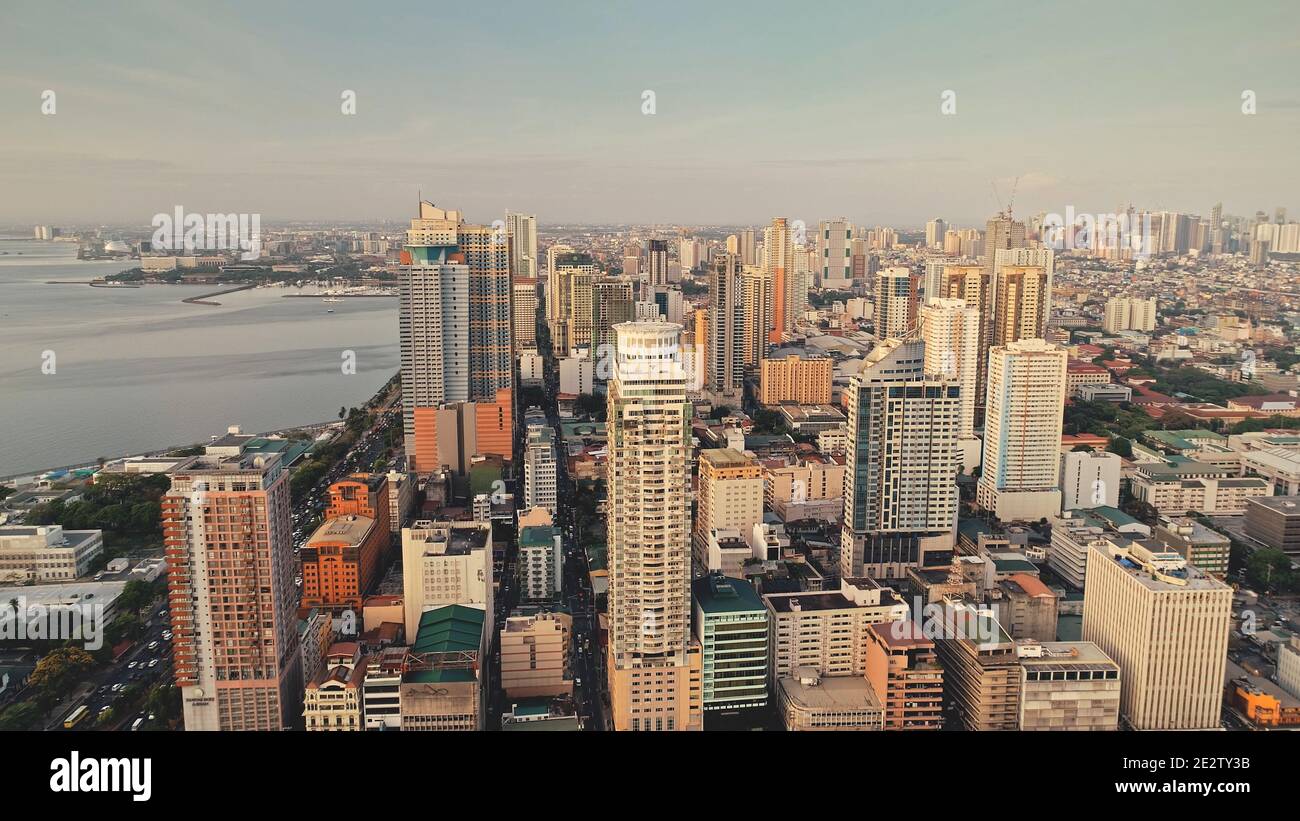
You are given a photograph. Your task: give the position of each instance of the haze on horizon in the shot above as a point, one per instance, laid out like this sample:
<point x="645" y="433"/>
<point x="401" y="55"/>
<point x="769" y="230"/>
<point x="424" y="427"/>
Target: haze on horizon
<point x="819" y="111"/>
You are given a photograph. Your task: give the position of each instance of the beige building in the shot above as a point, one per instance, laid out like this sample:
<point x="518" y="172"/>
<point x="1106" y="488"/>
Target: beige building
<point x="730" y="497"/>
<point x="795" y="379"/>
<point x="48" y="553"/>
<point x="1068" y="685"/>
<point x="1020" y="472"/>
<point x="827" y="631"/>
<point x="809" y="702"/>
<point x="535" y="655"/>
<point x="1022" y="301"/>
<point x="812" y="489"/>
<point x="445" y="563"/>
<point x="1129" y="314"/>
<point x="981" y="670"/>
<point x="1166" y="624"/>
<point x="333" y="699"/>
<point x="655" y="668"/>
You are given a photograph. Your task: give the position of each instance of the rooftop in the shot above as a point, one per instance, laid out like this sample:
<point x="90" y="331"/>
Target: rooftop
<point x="716" y="593"/>
<point x="449" y="629"/>
<point x="350" y="530"/>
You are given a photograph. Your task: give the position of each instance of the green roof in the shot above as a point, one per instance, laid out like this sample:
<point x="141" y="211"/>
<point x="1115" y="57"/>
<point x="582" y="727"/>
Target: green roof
<point x="1114" y="515"/>
<point x="716" y="593"/>
<point x="449" y="629"/>
<point x="538" y="536"/>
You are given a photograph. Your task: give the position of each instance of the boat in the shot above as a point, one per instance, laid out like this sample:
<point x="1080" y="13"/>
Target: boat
<point x="332" y="299"/>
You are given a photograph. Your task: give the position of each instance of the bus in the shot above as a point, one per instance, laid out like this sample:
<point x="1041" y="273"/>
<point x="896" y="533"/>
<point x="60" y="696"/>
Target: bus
<point x="76" y="717"/>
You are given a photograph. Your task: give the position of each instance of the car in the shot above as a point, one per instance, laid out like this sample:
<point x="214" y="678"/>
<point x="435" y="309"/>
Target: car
<point x="167" y="635"/>
<point x="132" y="665"/>
<point x="162" y="614"/>
<point x="119" y="687"/>
<point x="153" y="645"/>
<point x="153" y="663"/>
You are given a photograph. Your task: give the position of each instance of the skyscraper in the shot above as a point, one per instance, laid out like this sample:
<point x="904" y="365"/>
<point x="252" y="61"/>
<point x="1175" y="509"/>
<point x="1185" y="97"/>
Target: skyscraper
<point x="522" y="232"/>
<point x="756" y="290"/>
<point x="895" y="303"/>
<point x="900" y="492"/>
<point x="1020" y="473"/>
<point x="726" y="343"/>
<point x="455" y="318"/>
<point x="1001" y="233"/>
<point x="951" y="330"/>
<point x="613" y="301"/>
<point x="1021" y="304"/>
<point x="778" y="264"/>
<point x="656" y="272"/>
<point x="1166" y="624"/>
<point x="654" y="668"/>
<point x="935" y="230"/>
<point x="525" y="312"/>
<point x="229" y="548"/>
<point x="834" y="264"/>
<point x="972" y="285"/>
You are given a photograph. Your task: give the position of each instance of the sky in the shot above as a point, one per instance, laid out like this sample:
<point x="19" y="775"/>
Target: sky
<point x="811" y="110"/>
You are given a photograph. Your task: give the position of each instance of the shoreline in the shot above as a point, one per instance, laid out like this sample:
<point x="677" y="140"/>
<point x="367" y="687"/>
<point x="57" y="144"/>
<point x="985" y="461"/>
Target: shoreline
<point x="32" y="476"/>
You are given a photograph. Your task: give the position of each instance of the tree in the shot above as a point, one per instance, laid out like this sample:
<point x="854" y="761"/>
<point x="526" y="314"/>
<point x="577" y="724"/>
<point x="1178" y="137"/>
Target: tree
<point x="60" y="668"/>
<point x="25" y="715"/>
<point x="1121" y="446"/>
<point x="1269" y="571"/>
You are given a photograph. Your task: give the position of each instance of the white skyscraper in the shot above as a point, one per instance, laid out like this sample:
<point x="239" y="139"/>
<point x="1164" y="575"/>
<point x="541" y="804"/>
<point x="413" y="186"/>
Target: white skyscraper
<point x="539" y="469"/>
<point x="951" y="331"/>
<point x="834" y="265"/>
<point x="654" y="668"/>
<point x="1089" y="479"/>
<point x="900" y="491"/>
<point x="1019" y="478"/>
<point x="726" y="343"/>
<point x="934" y="234"/>
<point x="895" y="303"/>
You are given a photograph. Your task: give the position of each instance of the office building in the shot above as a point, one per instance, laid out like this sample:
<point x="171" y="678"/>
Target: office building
<point x="778" y="266"/>
<point x="1020" y="473"/>
<point x="756" y="298"/>
<point x="525" y="312"/>
<point x="541" y="557"/>
<point x="47" y="553"/>
<point x="834" y="254"/>
<point x="731" y="627"/>
<point x="231" y="595"/>
<point x="654" y="668"/>
<point x="1203" y="548"/>
<point x="1275" y="521"/>
<point x="1068" y="685"/>
<point x="935" y="230"/>
<point x="951" y="332"/>
<point x="900" y="492"/>
<point x="827" y="630"/>
<point x="981" y="669"/>
<point x="1166" y="624"/>
<point x="442" y="687"/>
<point x="1021" y="304"/>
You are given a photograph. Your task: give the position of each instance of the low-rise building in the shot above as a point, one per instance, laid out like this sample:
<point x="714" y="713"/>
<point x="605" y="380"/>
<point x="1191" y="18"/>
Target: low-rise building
<point x="1275" y="521"/>
<point x="905" y="675"/>
<point x="1068" y="685"/>
<point x="441" y="687"/>
<point x="47" y="553"/>
<point x="535" y="651"/>
<point x="810" y="701"/>
<point x="1202" y="547"/>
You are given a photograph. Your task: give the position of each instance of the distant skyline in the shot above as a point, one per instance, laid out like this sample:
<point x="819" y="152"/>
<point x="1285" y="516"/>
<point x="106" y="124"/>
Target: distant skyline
<point x="762" y="109"/>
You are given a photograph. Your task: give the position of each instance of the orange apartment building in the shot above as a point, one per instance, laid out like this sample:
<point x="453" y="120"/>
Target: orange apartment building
<point x="795" y="379"/>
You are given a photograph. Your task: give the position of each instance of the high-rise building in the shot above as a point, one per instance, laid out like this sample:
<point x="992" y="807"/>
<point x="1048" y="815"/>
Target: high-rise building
<point x="612" y="301"/>
<point x="895" y="303"/>
<point x="973" y="285"/>
<point x="730" y="497"/>
<point x="834" y="266"/>
<point x="1165" y="623"/>
<point x="1002" y="233"/>
<point x="1020" y="473"/>
<point x="981" y="668"/>
<point x="541" y="556"/>
<point x="342" y="558"/>
<point x="756" y="291"/>
<point x="455" y="318"/>
<point x="229" y="547"/>
<point x="654" y="667"/>
<point x="951" y="331"/>
<point x="778" y="265"/>
<point x="1068" y="685"/>
<point x="1129" y="314"/>
<point x="521" y="230"/>
<point x="725" y="351"/>
<point x="539" y="469"/>
<point x="731" y="628"/>
<point x="656" y="272"/>
<point x="935" y="230"/>
<point x="525" y="312"/>
<point x="900" y="493"/>
<point x="1021" y="304"/>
